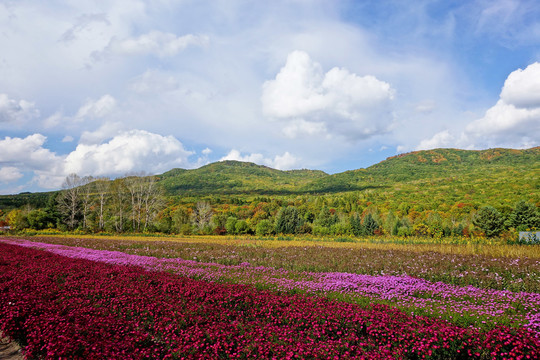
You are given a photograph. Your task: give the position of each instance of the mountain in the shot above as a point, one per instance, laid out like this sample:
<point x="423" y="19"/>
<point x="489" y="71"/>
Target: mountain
<point x="235" y="177"/>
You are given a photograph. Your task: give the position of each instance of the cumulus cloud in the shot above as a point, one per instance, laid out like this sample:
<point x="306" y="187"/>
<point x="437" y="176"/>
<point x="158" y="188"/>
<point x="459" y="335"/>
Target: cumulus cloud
<point x="90" y="110"/>
<point x="300" y="126"/>
<point x="280" y="162"/>
<point x="28" y="154"/>
<point x="105" y="132"/>
<point x="154" y="43"/>
<point x="133" y="150"/>
<point x="514" y="121"/>
<point x="442" y="139"/>
<point x="16" y="110"/>
<point x="9" y="174"/>
<point x="522" y="88"/>
<point x="337" y="101"/>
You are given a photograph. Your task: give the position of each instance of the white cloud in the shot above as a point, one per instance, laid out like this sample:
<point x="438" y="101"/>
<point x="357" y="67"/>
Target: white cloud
<point x="522" y="87"/>
<point x="207" y="151"/>
<point x="105" y="132"/>
<point x="134" y="150"/>
<point x="96" y="108"/>
<point x="299" y="127"/>
<point x="514" y="121"/>
<point x="155" y="43"/>
<point x="9" y="174"/>
<point x="16" y="110"/>
<point x="442" y="139"/>
<point x="28" y="154"/>
<point x="53" y="120"/>
<point x="285" y="161"/>
<point x="67" y="138"/>
<point x="505" y="120"/>
<point x="338" y="101"/>
<point x="280" y="162"/>
<point x="90" y="110"/>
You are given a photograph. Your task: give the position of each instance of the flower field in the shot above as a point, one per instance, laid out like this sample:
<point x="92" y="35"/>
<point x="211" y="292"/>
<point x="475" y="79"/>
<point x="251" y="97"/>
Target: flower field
<point x="92" y="301"/>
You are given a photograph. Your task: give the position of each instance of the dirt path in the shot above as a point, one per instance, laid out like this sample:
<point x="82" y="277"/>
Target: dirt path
<point x="9" y="350"/>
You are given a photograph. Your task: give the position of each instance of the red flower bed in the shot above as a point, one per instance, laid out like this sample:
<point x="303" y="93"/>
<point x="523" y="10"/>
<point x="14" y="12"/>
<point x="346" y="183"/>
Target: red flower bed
<point x="70" y="308"/>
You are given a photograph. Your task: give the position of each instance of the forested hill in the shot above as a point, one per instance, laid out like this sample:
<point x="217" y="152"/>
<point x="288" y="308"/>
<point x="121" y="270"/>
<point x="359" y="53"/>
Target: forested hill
<point x="235" y="177"/>
<point x="436" y="166"/>
<point x="442" y="175"/>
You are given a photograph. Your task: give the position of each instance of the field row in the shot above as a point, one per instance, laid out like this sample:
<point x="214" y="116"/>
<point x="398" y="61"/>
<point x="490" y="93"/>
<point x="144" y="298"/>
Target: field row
<point x="464" y="306"/>
<point x="514" y="268"/>
<point x="64" y="307"/>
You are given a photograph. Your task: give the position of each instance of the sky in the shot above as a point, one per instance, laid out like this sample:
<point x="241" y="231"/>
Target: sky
<point x="109" y="88"/>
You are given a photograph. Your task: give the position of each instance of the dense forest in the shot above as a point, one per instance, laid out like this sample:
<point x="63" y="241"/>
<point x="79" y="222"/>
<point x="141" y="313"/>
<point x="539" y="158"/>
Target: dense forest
<point x="435" y="193"/>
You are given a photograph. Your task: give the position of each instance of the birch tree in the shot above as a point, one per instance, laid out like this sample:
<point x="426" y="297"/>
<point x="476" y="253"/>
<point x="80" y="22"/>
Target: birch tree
<point x="202" y="214"/>
<point x="69" y="200"/>
<point x="119" y="204"/>
<point x="86" y="190"/>
<point x="102" y="195"/>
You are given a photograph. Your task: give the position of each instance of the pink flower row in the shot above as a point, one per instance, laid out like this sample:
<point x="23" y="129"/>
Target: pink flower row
<point x="60" y="307"/>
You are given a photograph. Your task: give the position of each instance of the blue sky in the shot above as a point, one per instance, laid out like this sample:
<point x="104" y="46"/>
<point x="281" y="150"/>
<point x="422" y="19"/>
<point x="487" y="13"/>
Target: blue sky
<point x="116" y="87"/>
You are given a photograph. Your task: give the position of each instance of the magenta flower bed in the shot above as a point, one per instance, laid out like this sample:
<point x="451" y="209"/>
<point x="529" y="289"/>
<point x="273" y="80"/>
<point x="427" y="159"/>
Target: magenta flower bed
<point x="434" y="299"/>
<point x="60" y="307"/>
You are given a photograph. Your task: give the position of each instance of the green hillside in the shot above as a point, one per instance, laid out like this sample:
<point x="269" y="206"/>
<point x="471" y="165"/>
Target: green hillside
<point x="435" y="177"/>
<point x="425" y="178"/>
<point x="236" y="178"/>
<point x="430" y="193"/>
<point x="433" y="164"/>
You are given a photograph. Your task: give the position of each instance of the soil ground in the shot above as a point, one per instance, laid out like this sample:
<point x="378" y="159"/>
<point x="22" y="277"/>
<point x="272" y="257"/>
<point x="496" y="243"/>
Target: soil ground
<point x="9" y="350"/>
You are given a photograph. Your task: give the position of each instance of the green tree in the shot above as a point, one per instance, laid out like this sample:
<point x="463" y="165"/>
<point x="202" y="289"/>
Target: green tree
<point x="356" y="225"/>
<point x="490" y="220"/>
<point x="241" y="227"/>
<point x="264" y="227"/>
<point x="39" y="219"/>
<point x="180" y="217"/>
<point x="326" y="218"/>
<point x="524" y="216"/>
<point x="230" y="225"/>
<point x="288" y="220"/>
<point x="370" y="225"/>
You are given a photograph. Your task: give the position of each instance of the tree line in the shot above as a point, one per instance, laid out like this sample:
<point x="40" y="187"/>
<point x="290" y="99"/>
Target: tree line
<point x="137" y="203"/>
